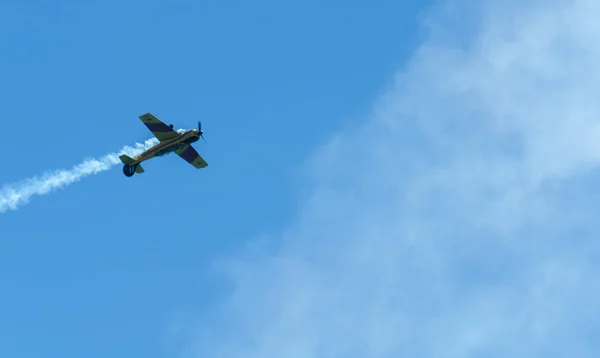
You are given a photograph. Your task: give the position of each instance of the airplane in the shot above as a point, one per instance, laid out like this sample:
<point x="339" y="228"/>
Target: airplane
<point x="169" y="141"/>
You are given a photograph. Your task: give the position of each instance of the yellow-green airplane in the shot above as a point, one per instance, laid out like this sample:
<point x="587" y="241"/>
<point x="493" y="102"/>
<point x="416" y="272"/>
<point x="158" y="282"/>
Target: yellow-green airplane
<point x="169" y="141"/>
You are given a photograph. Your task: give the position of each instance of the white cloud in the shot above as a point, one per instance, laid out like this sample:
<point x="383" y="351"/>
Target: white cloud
<point x="460" y="221"/>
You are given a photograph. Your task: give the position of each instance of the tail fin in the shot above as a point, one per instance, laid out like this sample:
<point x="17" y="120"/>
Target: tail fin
<point x="127" y="160"/>
<point x="139" y="169"/>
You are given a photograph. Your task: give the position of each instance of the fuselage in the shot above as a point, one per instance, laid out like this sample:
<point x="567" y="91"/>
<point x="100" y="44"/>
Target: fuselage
<point x="169" y="146"/>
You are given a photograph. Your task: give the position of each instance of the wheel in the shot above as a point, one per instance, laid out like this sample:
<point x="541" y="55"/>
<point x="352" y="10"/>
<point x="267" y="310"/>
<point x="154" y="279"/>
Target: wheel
<point x="129" y="170"/>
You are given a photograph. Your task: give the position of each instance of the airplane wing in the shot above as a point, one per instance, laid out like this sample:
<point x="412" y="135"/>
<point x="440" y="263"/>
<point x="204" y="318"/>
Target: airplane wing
<point x="160" y="130"/>
<point x="189" y="154"/>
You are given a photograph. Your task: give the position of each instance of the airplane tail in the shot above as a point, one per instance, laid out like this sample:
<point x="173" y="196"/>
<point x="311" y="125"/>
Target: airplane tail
<point x="130" y="161"/>
<point x="127" y="160"/>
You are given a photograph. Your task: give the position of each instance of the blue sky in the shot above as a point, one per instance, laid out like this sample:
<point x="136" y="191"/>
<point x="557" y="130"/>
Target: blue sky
<point x="103" y="266"/>
<point x="384" y="180"/>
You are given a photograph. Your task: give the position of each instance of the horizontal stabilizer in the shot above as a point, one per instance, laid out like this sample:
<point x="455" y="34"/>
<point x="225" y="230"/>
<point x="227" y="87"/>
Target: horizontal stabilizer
<point x="139" y="169"/>
<point x="127" y="160"/>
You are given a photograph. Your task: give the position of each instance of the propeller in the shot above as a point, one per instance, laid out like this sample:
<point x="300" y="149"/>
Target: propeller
<point x="200" y="131"/>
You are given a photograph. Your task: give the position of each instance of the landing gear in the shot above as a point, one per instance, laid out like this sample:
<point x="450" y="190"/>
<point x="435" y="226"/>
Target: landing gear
<point x="129" y="170"/>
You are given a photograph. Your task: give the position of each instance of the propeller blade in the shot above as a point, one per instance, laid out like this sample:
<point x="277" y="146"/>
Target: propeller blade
<point x="200" y="131"/>
<point x="203" y="139"/>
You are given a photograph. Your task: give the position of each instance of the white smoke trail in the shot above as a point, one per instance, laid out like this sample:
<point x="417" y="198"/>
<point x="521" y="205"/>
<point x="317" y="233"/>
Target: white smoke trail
<point x="15" y="195"/>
